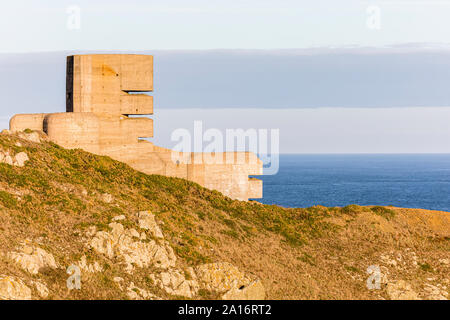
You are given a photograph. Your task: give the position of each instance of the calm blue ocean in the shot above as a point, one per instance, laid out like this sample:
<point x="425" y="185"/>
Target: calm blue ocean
<point x="410" y="181"/>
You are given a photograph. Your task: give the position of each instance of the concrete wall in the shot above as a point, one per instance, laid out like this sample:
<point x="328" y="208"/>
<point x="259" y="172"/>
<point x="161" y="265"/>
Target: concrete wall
<point x="94" y="132"/>
<point x="96" y="120"/>
<point x="100" y="83"/>
<point x="21" y="122"/>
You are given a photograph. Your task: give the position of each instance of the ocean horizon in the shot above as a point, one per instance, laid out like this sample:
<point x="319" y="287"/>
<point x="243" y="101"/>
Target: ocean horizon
<point x="336" y="180"/>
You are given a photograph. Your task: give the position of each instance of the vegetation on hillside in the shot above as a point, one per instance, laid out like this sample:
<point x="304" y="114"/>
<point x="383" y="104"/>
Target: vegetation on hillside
<point x="315" y="252"/>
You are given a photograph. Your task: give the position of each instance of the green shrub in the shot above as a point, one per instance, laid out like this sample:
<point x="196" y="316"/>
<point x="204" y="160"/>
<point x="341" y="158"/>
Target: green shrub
<point x="425" y="267"/>
<point x="383" y="212"/>
<point x="8" y="200"/>
<point x="352" y="209"/>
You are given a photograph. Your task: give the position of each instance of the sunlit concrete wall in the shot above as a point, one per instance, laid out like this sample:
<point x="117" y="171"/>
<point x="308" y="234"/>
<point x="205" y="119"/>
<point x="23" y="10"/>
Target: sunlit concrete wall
<point x="97" y="120"/>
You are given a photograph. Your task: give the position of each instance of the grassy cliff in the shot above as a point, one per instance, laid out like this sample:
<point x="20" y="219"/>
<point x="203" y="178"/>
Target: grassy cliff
<point x="302" y="253"/>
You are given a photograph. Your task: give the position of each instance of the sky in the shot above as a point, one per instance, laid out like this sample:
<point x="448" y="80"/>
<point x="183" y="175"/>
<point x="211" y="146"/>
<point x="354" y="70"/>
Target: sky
<point x="333" y="76"/>
<point x="46" y="25"/>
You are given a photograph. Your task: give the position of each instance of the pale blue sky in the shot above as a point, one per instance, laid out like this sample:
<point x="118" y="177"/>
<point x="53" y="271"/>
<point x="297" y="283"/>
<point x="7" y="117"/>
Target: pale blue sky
<point x="207" y="24"/>
<point x="305" y="94"/>
<point x="314" y="69"/>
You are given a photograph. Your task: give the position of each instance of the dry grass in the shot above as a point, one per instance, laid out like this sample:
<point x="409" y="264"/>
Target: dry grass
<point x="310" y="253"/>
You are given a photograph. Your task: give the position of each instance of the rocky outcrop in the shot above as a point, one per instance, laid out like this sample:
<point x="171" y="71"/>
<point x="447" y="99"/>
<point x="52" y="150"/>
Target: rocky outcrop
<point x="401" y="290"/>
<point x="126" y="244"/>
<point x="89" y="267"/>
<point x="17" y="160"/>
<point x="147" y="222"/>
<point x="106" y="197"/>
<point x="436" y="292"/>
<point x="12" y="288"/>
<point x="226" y="279"/>
<point x="253" y="291"/>
<point x="408" y="263"/>
<point x="222" y="279"/>
<point x="32" y="136"/>
<point x="41" y="289"/>
<point x="135" y="293"/>
<point x="174" y="282"/>
<point x="135" y="250"/>
<point x="32" y="258"/>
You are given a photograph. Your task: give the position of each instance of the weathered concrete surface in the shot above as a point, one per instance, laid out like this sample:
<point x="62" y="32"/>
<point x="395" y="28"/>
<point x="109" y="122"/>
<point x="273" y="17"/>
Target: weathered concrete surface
<point x="97" y="120"/>
<point x="20" y="122"/>
<point x="100" y="83"/>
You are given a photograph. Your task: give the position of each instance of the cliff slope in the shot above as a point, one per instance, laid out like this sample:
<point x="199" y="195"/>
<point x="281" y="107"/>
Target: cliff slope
<point x="137" y="236"/>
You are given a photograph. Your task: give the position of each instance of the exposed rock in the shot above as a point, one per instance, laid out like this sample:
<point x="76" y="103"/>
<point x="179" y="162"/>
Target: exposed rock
<point x="41" y="289"/>
<point x="384" y="280"/>
<point x="5" y="157"/>
<point x="174" y="282"/>
<point x="20" y="159"/>
<point x="106" y="197"/>
<point x="147" y="222"/>
<point x="91" y="268"/>
<point x="30" y="136"/>
<point x="437" y="292"/>
<point x="401" y="290"/>
<point x="214" y="277"/>
<point x="128" y="245"/>
<point x="118" y="218"/>
<point x="220" y="277"/>
<point x="91" y="231"/>
<point x="17" y="160"/>
<point x="400" y="260"/>
<point x="136" y="293"/>
<point x="118" y="281"/>
<point x="120" y="243"/>
<point x="12" y="288"/>
<point x="253" y="291"/>
<point x="190" y="272"/>
<point x="32" y="259"/>
<point x="134" y="233"/>
<point x="227" y="279"/>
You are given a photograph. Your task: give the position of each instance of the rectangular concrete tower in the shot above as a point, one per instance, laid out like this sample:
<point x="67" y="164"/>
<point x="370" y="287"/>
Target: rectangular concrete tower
<point x="102" y="84"/>
<point x="102" y="91"/>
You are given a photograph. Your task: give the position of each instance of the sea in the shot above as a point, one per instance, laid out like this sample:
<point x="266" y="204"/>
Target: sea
<point x="401" y="180"/>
